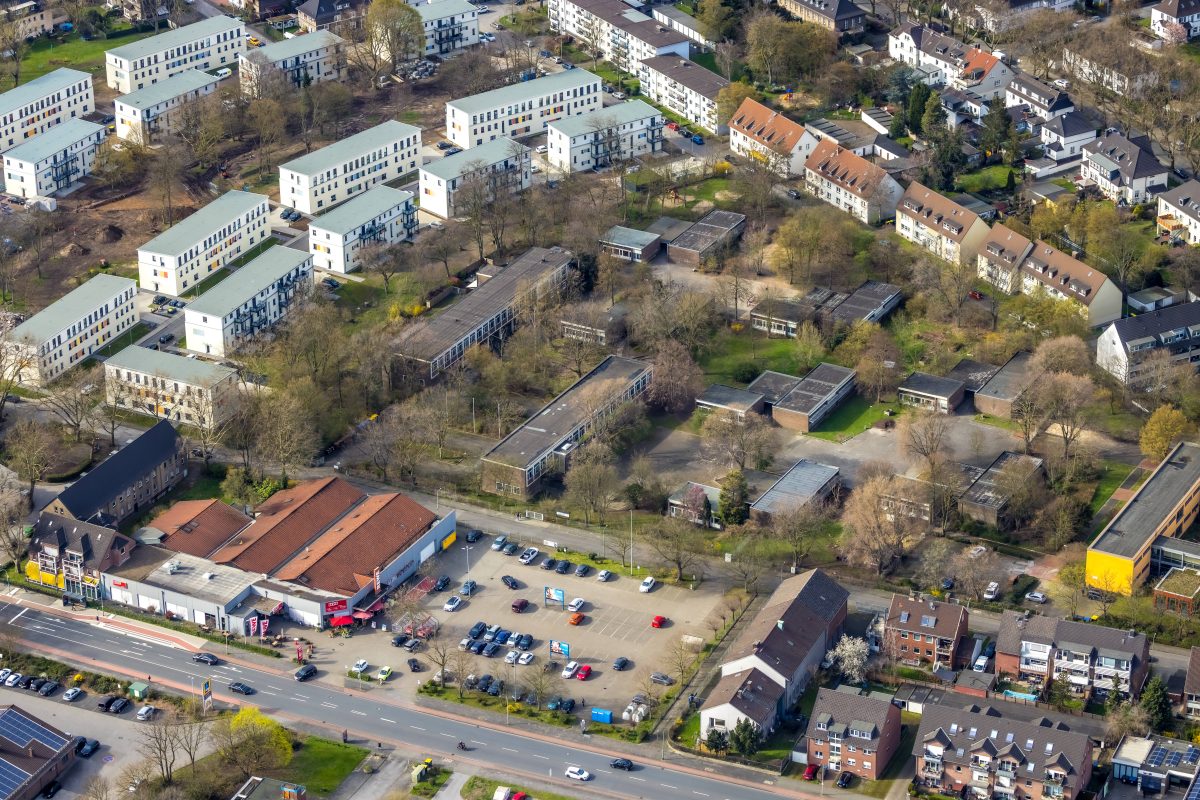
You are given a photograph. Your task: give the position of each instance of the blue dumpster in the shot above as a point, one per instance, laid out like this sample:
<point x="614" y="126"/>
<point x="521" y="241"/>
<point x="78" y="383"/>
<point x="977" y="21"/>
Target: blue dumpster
<point x="602" y="715"/>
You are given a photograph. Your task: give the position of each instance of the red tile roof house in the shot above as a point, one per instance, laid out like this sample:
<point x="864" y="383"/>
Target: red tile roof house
<point x="772" y="660"/>
<point x="925" y="632"/>
<point x="851" y="732"/>
<point x="1191" y="685"/>
<point x="977" y="754"/>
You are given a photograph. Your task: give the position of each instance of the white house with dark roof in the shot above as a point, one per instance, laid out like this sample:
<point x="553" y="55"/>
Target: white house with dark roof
<point x="382" y="215"/>
<point x="1038" y="102"/>
<point x="1124" y="170"/>
<point x="1124" y="346"/>
<point x="685" y="88"/>
<point x="940" y="225"/>
<point x="671" y="17"/>
<point x="842" y="17"/>
<point x="1166" y="13"/>
<point x="604" y="137"/>
<point x="766" y="135"/>
<point x="1179" y="213"/>
<point x="945" y="61"/>
<point x="208" y="44"/>
<point x="621" y="33"/>
<point x="1063" y="139"/>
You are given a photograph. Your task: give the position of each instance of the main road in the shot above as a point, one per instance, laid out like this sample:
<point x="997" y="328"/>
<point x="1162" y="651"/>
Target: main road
<point x="493" y="750"/>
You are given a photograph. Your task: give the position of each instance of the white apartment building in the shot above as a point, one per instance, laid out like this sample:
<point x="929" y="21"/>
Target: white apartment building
<point x="1179" y="213"/>
<point x="170" y="386"/>
<point x="605" y="136"/>
<point x="1123" y="169"/>
<point x="521" y="109"/>
<point x="676" y="20"/>
<point x="73" y="327"/>
<point x="940" y="225"/>
<point x="757" y="132"/>
<point x="209" y="44"/>
<point x="617" y="32"/>
<point x="847" y="181"/>
<point x="248" y="302"/>
<point x="334" y="174"/>
<point x="1125" y="345"/>
<point x="449" y="25"/>
<point x="381" y="215"/>
<point x="146" y="113"/>
<point x="686" y="88"/>
<point x="1038" y="101"/>
<point x="37" y="106"/>
<point x="311" y="58"/>
<point x="192" y="249"/>
<point x="53" y="161"/>
<point x="503" y="165"/>
<point x="945" y="61"/>
<point x="1063" y="140"/>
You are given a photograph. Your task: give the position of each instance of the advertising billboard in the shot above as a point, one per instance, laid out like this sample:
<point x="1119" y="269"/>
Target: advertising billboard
<point x="334" y="606"/>
<point x="558" y="648"/>
<point x="554" y="595"/>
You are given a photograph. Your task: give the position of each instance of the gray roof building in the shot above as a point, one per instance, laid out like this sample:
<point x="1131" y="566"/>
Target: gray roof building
<point x="931" y="385"/>
<point x="343" y="150"/>
<point x="299" y="45"/>
<point x="1077" y="637"/>
<point x="12" y="100"/>
<point x="815" y="388"/>
<point x="193" y="228"/>
<point x="54" y="141"/>
<point x="478" y="157"/>
<point x="1144" y="513"/>
<point x="773" y="386"/>
<point x="565" y="81"/>
<point x="177" y="37"/>
<point x="368" y="205"/>
<point x="70" y="308"/>
<point x="727" y="398"/>
<point x="247" y="281"/>
<point x="155" y="93"/>
<point x="191" y="371"/>
<point x="806" y="481"/>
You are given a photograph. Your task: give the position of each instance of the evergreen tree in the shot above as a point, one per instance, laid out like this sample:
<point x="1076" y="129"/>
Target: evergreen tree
<point x="1157" y="703"/>
<point x="716" y="740"/>
<point x="735" y="499"/>
<point x="933" y="118"/>
<point x="916" y="106"/>
<point x="1058" y="693"/>
<point x="745" y="738"/>
<point x="898" y="126"/>
<point x="997" y="132"/>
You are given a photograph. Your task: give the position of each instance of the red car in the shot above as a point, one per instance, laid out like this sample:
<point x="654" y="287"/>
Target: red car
<point x="810" y="774"/>
<point x="672" y="126"/>
<point x="520" y="796"/>
<point x="584" y="672"/>
<point x="974" y="295"/>
<point x="658" y="621"/>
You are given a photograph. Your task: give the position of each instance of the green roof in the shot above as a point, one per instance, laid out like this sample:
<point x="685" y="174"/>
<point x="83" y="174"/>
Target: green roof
<point x="346" y="149"/>
<point x="602" y="118"/>
<point x="484" y="155"/>
<point x="38" y="88"/>
<point x="192" y="229"/>
<point x="191" y="371"/>
<point x="176" y="38"/>
<point x="72" y="307"/>
<point x="172" y="87"/>
<point x="297" y="45"/>
<point x="515" y="93"/>
<point x="54" y="141"/>
<point x="439" y="9"/>
<point x="355" y="212"/>
<point x="229" y="294"/>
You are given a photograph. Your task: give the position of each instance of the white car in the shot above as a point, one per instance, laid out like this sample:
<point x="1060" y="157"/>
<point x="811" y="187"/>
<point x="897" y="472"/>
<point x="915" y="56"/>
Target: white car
<point x="534" y="168"/>
<point x="576" y="604"/>
<point x="12" y="679"/>
<point x="541" y="148"/>
<point x="525" y="658"/>
<point x="570" y="669"/>
<point x="604" y="575"/>
<point x="71" y="694"/>
<point x="360" y="666"/>
<point x="1035" y="597"/>
<point x="992" y="591"/>
<point x="453" y="603"/>
<point x="648" y="584"/>
<point x="512" y="657"/>
<point x="146" y="712"/>
<point x="4" y="673"/>
<point x="980" y="664"/>
<point x="529" y="555"/>
<point x="579" y="774"/>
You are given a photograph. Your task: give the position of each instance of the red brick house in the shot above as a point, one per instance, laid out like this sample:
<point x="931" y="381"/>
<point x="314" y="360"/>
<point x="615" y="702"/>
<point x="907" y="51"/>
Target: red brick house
<point x="925" y="632"/>
<point x="853" y="733"/>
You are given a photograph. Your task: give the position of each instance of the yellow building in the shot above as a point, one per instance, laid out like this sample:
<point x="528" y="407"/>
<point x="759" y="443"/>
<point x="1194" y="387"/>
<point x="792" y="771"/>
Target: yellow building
<point x="1139" y="539"/>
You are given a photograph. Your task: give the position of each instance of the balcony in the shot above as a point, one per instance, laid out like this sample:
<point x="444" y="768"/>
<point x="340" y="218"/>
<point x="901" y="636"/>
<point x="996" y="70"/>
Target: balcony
<point x="1008" y="772"/>
<point x="931" y="767"/>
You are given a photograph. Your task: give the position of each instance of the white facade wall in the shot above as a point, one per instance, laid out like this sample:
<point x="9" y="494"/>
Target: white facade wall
<point x="141" y="124"/>
<point x="350" y="167"/>
<point x="786" y="165"/>
<point x="338" y="252"/>
<point x="203" y="250"/>
<point x="323" y="62"/>
<point x="511" y="171"/>
<point x="449" y="26"/>
<point x="520" y="113"/>
<point x="1191" y="225"/>
<point x="902" y="48"/>
<point x="172" y="397"/>
<point x="71" y="161"/>
<point x="617" y="40"/>
<point x="601" y="147"/>
<point x="1160" y="19"/>
<point x="41" y="104"/>
<point x="212" y="45"/>
<point x="693" y="106"/>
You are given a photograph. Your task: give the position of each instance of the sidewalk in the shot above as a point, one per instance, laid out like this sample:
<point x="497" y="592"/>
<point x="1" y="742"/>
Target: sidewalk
<point x="452" y="790"/>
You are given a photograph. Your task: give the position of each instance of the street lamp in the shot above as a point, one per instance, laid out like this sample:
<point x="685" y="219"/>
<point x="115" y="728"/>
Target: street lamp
<point x="467" y="548"/>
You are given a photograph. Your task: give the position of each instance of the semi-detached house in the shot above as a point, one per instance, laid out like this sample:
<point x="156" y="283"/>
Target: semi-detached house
<point x="921" y="631"/>
<point x="335" y="173"/>
<point x="1126" y="346"/>
<point x="940" y="225"/>
<point x="149" y="112"/>
<point x="522" y="109"/>
<point x="382" y="215"/>
<point x="1123" y="170"/>
<point x="209" y="44"/>
<point x="191" y="250"/>
<point x="767" y="136"/>
<point x="1179" y="213"/>
<point x="943" y="60"/>
<point x="53" y="161"/>
<point x="37" y="106"/>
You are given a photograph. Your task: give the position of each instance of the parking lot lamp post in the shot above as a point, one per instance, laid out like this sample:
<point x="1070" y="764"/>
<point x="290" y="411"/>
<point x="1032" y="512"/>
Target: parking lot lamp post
<point x="467" y="549"/>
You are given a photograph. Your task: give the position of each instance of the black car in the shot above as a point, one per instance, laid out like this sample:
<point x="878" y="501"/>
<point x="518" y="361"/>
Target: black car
<point x="490" y="649"/>
<point x="51" y="789"/>
<point x="621" y="663"/>
<point x="85" y="747"/>
<point x="206" y="658"/>
<point x="237" y="687"/>
<point x="510" y="548"/>
<point x="473" y="535"/>
<point x="793" y="193"/>
<point x="621" y="763"/>
<point x="550" y="563"/>
<point x="496" y="688"/>
<point x="399" y="640"/>
<point x="510" y="581"/>
<point x="105" y="703"/>
<point x="166" y="338"/>
<point x="414" y="665"/>
<point x="524" y="641"/>
<point x="844" y="780"/>
<point x="444" y="145"/>
<point x="26" y="681"/>
<point x="49" y="688"/>
<point x="484" y="682"/>
<point x="582" y="570"/>
<point x="568" y="705"/>
<point x="477" y="630"/>
<point x="37" y="683"/>
<point x="159" y="300"/>
<point x="563" y="567"/>
<point x="477" y="646"/>
<point x="306" y="672"/>
<point x="119" y="705"/>
<point x="442" y="583"/>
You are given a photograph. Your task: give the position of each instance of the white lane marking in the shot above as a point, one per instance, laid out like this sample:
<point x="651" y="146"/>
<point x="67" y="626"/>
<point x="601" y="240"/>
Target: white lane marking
<point x="476" y="741"/>
<point x="385" y="719"/>
<point x="328" y="705"/>
<point x="18" y="616"/>
<point x="448" y="735"/>
<point x="275" y="688"/>
<point x="264" y="691"/>
<point x="536" y="755"/>
<point x="509" y="749"/>
<point x="702" y="794"/>
<point x="639" y="780"/>
<point x="360" y="713"/>
<point x="304" y="697"/>
<point x="668" y="786"/>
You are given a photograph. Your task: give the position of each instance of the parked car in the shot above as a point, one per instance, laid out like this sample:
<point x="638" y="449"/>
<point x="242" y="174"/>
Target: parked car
<point x="86" y="749"/>
<point x="582" y="570"/>
<point x="576" y="604"/>
<point x="529" y="555"/>
<point x="360" y="666"/>
<point x="575" y="618"/>
<point x="647" y="584"/>
<point x="1035" y="597"/>
<point x="980" y="664"/>
<point x="306" y="672"/>
<point x="524" y="641"/>
<point x="621" y="663"/>
<point x="844" y="780"/>
<point x="570" y="669"/>
<point x="146" y="713"/>
<point x="477" y="629"/>
<point x="550" y="563"/>
<point x="510" y="548"/>
<point x="662" y="679"/>
<point x="399" y="640"/>
<point x="563" y="567"/>
<point x="658" y="621"/>
<point x="468" y="588"/>
<point x="13" y="679"/>
<point x="603" y="576"/>
<point x="499" y="542"/>
<point x="474" y="535"/>
<point x="442" y="583"/>
<point x="510" y="582"/>
<point x="105" y="703"/>
<point x="490" y="649"/>
<point x="51" y="789"/>
<point x="584" y="673"/>
<point x="519" y="605"/>
<point x="119" y="705"/>
<point x="452" y="603"/>
<point x="525" y="658"/>
<point x="72" y="694"/>
<point x="414" y="665"/>
<point x="793" y="193"/>
<point x="810" y="772"/>
<point x="992" y="592"/>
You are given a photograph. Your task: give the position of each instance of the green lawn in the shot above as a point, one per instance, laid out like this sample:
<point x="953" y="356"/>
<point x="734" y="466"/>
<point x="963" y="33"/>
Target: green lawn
<point x="124" y="340"/>
<point x="1114" y="475"/>
<point x="478" y="788"/>
<point x="997" y="422"/>
<point x="778" y="747"/>
<point x="881" y="787"/>
<point x="320" y="765"/>
<point x="733" y="351"/>
<point x="986" y="179"/>
<point x="709" y="62"/>
<point x="46" y="55"/>
<point x="852" y="418"/>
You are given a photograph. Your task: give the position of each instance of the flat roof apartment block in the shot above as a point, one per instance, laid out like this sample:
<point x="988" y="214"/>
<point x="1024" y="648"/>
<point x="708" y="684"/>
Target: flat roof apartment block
<point x="605" y="137"/>
<point x="686" y="88"/>
<point x="988" y="497"/>
<point x="449" y="25"/>
<point x="382" y="215"/>
<point x="208" y="44"/>
<point x="491" y="311"/>
<point x="1119" y="559"/>
<point x="248" y="302"/>
<point x="804" y="483"/>
<point x="148" y="112"/>
<point x="515" y="466"/>
<point x="521" y="109"/>
<point x="73" y="327"/>
<point x="335" y="173"/>
<point x="169" y="386"/>
<point x="192" y="249"/>
<point x="493" y="169"/>
<point x="37" y="106"/>
<point x="702" y="242"/>
<point x="814" y="398"/>
<point x="301" y="61"/>
<point x="53" y="161"/>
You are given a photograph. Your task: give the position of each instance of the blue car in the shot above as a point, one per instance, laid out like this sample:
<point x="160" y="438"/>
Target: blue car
<point x="697" y="139"/>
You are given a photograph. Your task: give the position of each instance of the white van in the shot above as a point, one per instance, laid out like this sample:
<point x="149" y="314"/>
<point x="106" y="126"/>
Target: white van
<point x="980" y="664"/>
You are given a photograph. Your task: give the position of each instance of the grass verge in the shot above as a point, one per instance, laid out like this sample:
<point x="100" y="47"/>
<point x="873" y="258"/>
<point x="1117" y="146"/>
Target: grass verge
<point x="737" y="358"/>
<point x="320" y="765"/>
<point x="124" y="340"/>
<point x="477" y="788"/>
<point x="1114" y="475"/>
<point x="852" y="418"/>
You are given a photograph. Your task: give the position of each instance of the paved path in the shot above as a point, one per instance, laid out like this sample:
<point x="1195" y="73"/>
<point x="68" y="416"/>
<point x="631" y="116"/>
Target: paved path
<point x="452" y="790"/>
